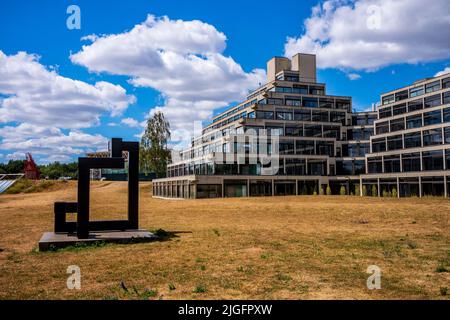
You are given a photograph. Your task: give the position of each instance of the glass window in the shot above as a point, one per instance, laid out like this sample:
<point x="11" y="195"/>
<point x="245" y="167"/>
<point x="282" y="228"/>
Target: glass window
<point x="331" y="132"/>
<point x="386" y="112"/>
<point x="433" y="117"/>
<point x="310" y="102"/>
<point x="433" y="86"/>
<point x="446" y="96"/>
<point x="413" y="140"/>
<point x="293" y="102"/>
<point x="274" y="131"/>
<point x="302" y="115"/>
<point x="382" y="127"/>
<point x="251" y="115"/>
<point x="392" y="163"/>
<point x="343" y="104"/>
<point x="433" y="101"/>
<point x="300" y="89"/>
<point x="313" y="131"/>
<point x="294" y="131"/>
<point x="319" y="91"/>
<point x="320" y="116"/>
<point x="283" y="89"/>
<point x="388" y="99"/>
<point x="399" y="109"/>
<point x="283" y="115"/>
<point x="414" y="92"/>
<point x="325" y="148"/>
<point x="447" y="158"/>
<point x="414" y="121"/>
<point x="344" y="167"/>
<point x="286" y="147"/>
<point x="447" y="135"/>
<point x="337" y="117"/>
<point x="375" y="165"/>
<point x="415" y="105"/>
<point x="304" y="147"/>
<point x="394" y="142"/>
<point x="446" y="83"/>
<point x="264" y="114"/>
<point x="411" y="162"/>
<point x="402" y="95"/>
<point x="397" y="124"/>
<point x="432" y="137"/>
<point x="432" y="160"/>
<point x="447" y="115"/>
<point x="379" y="145"/>
<point x="326" y="103"/>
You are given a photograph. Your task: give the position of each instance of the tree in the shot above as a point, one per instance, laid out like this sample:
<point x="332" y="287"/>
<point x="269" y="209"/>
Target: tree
<point x="328" y="190"/>
<point x="154" y="154"/>
<point x="342" y="192"/>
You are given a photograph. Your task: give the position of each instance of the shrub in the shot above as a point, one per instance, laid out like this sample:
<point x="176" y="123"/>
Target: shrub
<point x="364" y="191"/>
<point x="357" y="192"/>
<point x="394" y="193"/>
<point x="443" y="291"/>
<point x="200" y="289"/>
<point x="328" y="190"/>
<point x="385" y="194"/>
<point x="374" y="191"/>
<point x="342" y="192"/>
<point x="321" y="190"/>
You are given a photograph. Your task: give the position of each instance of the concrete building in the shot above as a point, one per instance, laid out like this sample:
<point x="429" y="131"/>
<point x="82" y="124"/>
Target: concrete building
<point x="320" y="142"/>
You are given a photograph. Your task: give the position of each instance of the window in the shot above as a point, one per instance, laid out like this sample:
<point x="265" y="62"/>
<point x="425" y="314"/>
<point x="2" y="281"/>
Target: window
<point x="313" y="131"/>
<point x="402" y="95"/>
<point x="294" y="131"/>
<point x="433" y="86"/>
<point x="274" y="131"/>
<point x="413" y="140"/>
<point x="394" y="142"/>
<point x="447" y="158"/>
<point x="344" y="167"/>
<point x="432" y="137"/>
<point x="433" y="101"/>
<point x="317" y="167"/>
<point x="300" y="89"/>
<point x="302" y="115"/>
<point x="304" y="147"/>
<point x="378" y="145"/>
<point x="359" y="166"/>
<point x="414" y="92"/>
<point x="375" y="165"/>
<point x="446" y="83"/>
<point x="433" y="117"/>
<point x="251" y="115"/>
<point x="415" y="105"/>
<point x="283" y="89"/>
<point x="286" y="147"/>
<point x="414" y="121"/>
<point x="318" y="91"/>
<point x="320" y="116"/>
<point x="397" y="124"/>
<point x="283" y="115"/>
<point x="399" y="109"/>
<point x="388" y="99"/>
<point x="382" y="127"/>
<point x="310" y="102"/>
<point x="325" y="148"/>
<point x="331" y="132"/>
<point x="446" y="96"/>
<point x="386" y="112"/>
<point x="447" y="115"/>
<point x="264" y="114"/>
<point x="343" y="104"/>
<point x="326" y="103"/>
<point x="337" y="117"/>
<point x="411" y="162"/>
<point x="447" y="135"/>
<point x="392" y="164"/>
<point x="358" y="150"/>
<point x="293" y="102"/>
<point x="432" y="160"/>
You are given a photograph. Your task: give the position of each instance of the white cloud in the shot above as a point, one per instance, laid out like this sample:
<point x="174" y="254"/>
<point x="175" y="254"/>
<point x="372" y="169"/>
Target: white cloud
<point x="132" y="123"/>
<point x="370" y="34"/>
<point x="353" y="76"/>
<point x="445" y="71"/>
<point x="38" y="103"/>
<point x="181" y="59"/>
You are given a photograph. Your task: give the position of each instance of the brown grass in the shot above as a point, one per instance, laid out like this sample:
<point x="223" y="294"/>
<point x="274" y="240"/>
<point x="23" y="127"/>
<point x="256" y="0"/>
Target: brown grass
<point x="302" y="247"/>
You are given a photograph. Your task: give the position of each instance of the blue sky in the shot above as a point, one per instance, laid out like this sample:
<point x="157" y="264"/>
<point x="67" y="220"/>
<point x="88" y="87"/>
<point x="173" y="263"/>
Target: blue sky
<point x="390" y="55"/>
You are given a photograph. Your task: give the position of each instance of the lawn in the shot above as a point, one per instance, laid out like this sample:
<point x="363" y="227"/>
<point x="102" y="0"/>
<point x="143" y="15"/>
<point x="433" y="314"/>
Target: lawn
<point x="299" y="247"/>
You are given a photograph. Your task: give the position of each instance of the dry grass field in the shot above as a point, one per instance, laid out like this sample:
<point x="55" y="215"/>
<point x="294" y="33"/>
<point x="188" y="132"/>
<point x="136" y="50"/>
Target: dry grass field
<point x="306" y="247"/>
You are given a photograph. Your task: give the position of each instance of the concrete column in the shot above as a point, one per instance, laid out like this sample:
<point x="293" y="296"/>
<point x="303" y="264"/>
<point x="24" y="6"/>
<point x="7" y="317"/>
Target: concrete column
<point x="378" y="189"/>
<point x="445" y="186"/>
<point x="296" y="187"/>
<point x="248" y="187"/>
<point x="273" y="187"/>
<point x="223" y="189"/>
<point x="398" y="187"/>
<point x="360" y="187"/>
<point x="420" y="187"/>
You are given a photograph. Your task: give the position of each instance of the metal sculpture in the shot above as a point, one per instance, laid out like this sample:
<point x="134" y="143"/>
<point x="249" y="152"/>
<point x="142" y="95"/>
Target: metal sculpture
<point x="30" y="168"/>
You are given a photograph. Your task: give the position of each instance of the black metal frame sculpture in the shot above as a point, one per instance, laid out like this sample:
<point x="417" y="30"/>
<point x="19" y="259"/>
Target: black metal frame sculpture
<point x="116" y="161"/>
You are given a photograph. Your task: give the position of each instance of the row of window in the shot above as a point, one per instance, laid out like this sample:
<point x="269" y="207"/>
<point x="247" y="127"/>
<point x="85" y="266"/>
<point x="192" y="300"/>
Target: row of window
<point x="308" y="102"/>
<point x="428" y="102"/>
<point x="415" y="121"/>
<point x="313" y="90"/>
<point x="412" y="140"/>
<point x="300" y="115"/>
<point x="416" y="91"/>
<point x="410" y="162"/>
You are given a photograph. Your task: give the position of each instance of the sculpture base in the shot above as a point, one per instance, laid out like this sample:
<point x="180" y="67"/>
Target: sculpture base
<point x="52" y="241"/>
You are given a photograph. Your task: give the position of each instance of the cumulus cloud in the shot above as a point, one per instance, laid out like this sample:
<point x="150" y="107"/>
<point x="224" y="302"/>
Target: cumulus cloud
<point x="38" y="104"/>
<point x="445" y="71"/>
<point x="182" y="59"/>
<point x="132" y="123"/>
<point x="353" y="76"/>
<point x="370" y="34"/>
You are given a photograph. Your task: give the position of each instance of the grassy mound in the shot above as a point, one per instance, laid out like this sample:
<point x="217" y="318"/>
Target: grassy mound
<point x="28" y="186"/>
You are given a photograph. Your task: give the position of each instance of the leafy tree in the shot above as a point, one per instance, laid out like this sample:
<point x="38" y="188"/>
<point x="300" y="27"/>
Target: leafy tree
<point x="13" y="166"/>
<point x="394" y="193"/>
<point x="374" y="191"/>
<point x="154" y="154"/>
<point x="328" y="190"/>
<point x="56" y="170"/>
<point x="342" y="192"/>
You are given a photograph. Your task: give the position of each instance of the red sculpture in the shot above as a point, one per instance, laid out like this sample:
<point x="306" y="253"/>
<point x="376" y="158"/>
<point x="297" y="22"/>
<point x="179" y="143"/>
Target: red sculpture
<point x="31" y="169"/>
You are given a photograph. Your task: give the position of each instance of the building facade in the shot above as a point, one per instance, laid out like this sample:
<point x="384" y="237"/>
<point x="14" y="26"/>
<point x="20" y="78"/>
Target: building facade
<point x="320" y="144"/>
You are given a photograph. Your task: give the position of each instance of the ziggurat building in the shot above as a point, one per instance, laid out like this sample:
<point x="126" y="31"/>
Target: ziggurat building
<point x="402" y="148"/>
